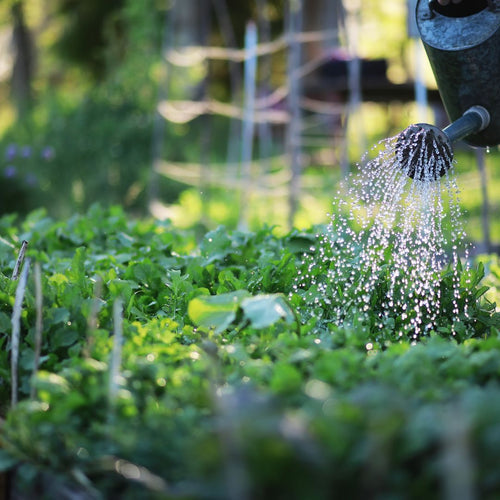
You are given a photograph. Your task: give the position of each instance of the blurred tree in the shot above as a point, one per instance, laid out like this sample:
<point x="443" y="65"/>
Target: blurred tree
<point x="22" y="71"/>
<point x="85" y="36"/>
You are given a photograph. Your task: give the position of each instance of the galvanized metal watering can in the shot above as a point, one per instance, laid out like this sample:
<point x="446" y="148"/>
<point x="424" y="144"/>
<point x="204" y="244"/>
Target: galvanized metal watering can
<point x="462" y="42"/>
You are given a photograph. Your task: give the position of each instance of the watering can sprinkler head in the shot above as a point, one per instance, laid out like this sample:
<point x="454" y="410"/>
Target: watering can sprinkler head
<point x="424" y="151"/>
<point x="413" y="147"/>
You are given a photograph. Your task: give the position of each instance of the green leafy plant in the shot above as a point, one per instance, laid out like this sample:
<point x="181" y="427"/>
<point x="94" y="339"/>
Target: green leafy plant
<point x="231" y="379"/>
<point x="220" y="311"/>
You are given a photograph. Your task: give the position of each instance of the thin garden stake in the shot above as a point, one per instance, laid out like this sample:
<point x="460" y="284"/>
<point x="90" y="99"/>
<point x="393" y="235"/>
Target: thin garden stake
<point x="158" y="120"/>
<point x="39" y="323"/>
<point x="206" y="120"/>
<point x="19" y="262"/>
<point x="229" y="38"/>
<point x="354" y="130"/>
<point x="16" y="329"/>
<point x="264" y="127"/>
<point x="294" y="146"/>
<point x="250" y="72"/>
<point x="116" y="355"/>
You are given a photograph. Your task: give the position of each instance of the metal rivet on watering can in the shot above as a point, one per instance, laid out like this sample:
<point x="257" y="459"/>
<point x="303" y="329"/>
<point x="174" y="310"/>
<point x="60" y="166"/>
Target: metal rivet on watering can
<point x="462" y="42"/>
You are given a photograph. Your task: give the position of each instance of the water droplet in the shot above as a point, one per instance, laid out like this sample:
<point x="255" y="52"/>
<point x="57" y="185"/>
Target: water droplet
<point x="400" y="236"/>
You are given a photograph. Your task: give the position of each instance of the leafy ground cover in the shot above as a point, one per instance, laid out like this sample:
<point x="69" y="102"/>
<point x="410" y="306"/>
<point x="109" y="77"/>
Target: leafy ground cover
<point x="175" y="368"/>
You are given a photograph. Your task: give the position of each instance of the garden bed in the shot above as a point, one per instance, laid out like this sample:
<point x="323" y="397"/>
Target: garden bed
<point x="225" y="384"/>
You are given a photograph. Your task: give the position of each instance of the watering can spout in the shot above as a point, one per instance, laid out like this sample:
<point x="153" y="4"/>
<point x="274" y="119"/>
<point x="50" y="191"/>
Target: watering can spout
<point x="462" y="42"/>
<point x="473" y="121"/>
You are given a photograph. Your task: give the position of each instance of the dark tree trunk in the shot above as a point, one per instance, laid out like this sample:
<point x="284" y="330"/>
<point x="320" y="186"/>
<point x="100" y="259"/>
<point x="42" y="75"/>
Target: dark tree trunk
<point x="22" y="72"/>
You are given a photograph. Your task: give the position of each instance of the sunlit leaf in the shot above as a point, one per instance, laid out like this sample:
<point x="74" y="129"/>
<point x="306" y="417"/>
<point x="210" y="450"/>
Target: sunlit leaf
<point x="216" y="311"/>
<point x="265" y="310"/>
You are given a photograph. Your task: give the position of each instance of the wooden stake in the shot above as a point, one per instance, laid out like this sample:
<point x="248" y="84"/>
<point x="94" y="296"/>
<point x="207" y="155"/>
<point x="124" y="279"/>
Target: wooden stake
<point x="294" y="146"/>
<point x="250" y="74"/>
<point x="20" y="259"/>
<point x="116" y="354"/>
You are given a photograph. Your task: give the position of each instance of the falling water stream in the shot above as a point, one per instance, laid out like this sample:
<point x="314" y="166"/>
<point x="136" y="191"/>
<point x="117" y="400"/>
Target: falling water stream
<point x="394" y="226"/>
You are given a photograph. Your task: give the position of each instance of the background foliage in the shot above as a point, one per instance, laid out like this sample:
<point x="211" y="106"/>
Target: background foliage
<point x="98" y="73"/>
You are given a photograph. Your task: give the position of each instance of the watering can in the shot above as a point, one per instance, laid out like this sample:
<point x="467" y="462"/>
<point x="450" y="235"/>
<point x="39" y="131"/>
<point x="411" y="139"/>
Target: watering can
<point x="462" y="42"/>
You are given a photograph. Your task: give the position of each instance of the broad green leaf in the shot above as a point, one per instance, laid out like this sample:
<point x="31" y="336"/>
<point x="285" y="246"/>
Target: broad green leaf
<point x="265" y="310"/>
<point x="216" y="244"/>
<point x="57" y="315"/>
<point x="216" y="311"/>
<point x="301" y="243"/>
<point x="63" y="338"/>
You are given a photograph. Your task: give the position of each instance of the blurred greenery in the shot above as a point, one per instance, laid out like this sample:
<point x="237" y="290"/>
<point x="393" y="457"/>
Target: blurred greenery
<point x="99" y="73"/>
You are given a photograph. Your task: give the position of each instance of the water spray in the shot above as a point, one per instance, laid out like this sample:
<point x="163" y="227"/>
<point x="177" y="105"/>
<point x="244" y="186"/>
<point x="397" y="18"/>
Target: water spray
<point x="462" y="42"/>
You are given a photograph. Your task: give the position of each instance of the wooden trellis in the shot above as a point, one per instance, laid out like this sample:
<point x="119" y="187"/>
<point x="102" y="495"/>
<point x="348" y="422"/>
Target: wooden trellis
<point x="282" y="106"/>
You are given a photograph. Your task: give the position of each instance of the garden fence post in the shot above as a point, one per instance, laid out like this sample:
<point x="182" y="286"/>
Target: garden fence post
<point x="294" y="146"/>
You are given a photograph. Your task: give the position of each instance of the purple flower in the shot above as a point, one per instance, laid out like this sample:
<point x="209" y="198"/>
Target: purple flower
<point x="48" y="153"/>
<point x="26" y="151"/>
<point x="10" y="152"/>
<point x="10" y="171"/>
